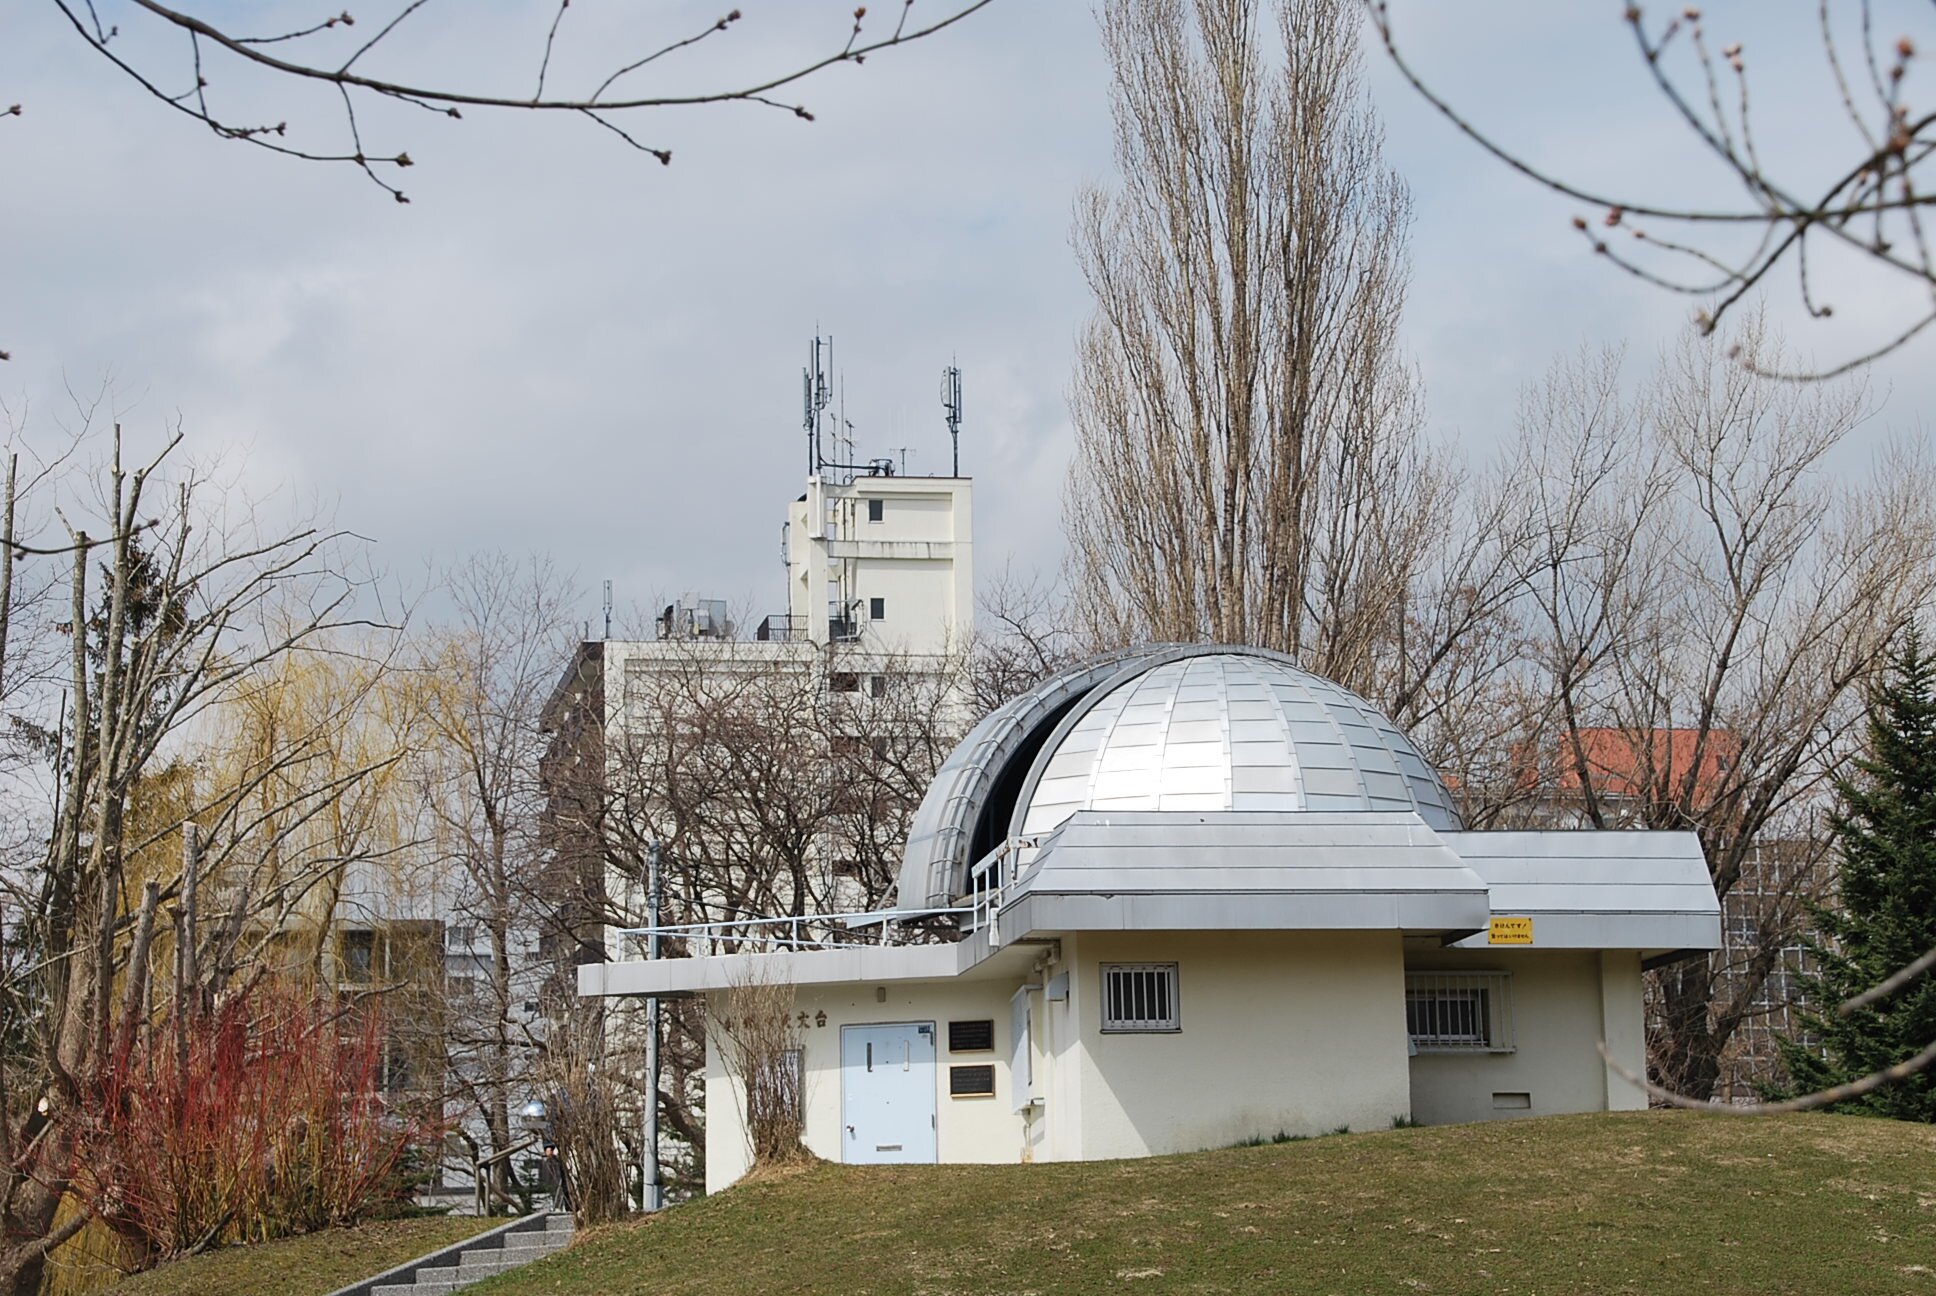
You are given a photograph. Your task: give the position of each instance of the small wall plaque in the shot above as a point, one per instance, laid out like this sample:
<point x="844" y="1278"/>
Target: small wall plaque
<point x="1510" y="931"/>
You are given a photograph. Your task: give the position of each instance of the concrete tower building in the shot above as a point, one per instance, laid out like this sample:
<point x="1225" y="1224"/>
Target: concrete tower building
<point x="881" y="563"/>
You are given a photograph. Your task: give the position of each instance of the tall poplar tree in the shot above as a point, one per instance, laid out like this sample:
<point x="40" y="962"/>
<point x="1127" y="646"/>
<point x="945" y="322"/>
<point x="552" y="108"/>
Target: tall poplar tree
<point x="1885" y="841"/>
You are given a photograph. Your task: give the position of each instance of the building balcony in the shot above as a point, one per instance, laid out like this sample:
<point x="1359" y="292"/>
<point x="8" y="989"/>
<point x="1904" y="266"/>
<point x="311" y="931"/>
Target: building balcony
<point x="782" y="628"/>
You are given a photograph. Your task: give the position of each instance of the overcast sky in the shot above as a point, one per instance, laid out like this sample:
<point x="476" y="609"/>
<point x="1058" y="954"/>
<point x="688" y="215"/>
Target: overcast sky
<point x="561" y="346"/>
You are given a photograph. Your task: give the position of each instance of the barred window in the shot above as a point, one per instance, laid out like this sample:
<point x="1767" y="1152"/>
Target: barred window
<point x="1459" y="1011"/>
<point x="1139" y="997"/>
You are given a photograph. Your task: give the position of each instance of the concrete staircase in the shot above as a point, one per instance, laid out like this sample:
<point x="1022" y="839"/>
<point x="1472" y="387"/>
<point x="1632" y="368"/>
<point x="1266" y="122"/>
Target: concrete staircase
<point x="458" y="1266"/>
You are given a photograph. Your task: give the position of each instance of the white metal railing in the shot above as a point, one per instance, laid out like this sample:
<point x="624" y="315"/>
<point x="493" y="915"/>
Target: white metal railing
<point x="992" y="880"/>
<point x="792" y="931"/>
<point x="990" y="883"/>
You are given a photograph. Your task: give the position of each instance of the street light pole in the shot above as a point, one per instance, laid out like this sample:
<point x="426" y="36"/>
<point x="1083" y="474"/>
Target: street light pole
<point x="651" y="1196"/>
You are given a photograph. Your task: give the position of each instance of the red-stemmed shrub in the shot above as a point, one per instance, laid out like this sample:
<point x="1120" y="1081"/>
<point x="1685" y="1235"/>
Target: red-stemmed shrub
<point x="262" y="1118"/>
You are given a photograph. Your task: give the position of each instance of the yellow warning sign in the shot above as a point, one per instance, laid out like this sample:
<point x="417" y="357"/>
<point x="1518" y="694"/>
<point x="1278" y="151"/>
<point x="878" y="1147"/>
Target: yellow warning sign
<point x="1510" y="931"/>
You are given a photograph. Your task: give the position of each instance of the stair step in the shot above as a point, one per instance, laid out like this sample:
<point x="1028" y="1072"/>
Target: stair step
<point x="533" y="1241"/>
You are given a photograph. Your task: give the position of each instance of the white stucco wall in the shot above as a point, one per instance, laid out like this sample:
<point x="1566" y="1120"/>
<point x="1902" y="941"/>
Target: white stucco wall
<point x="968" y="1130"/>
<point x="1564" y="1002"/>
<point x="1292" y="1032"/>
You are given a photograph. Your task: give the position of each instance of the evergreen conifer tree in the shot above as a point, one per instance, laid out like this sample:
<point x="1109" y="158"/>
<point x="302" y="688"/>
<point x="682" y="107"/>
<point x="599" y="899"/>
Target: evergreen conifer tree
<point x="1884" y="831"/>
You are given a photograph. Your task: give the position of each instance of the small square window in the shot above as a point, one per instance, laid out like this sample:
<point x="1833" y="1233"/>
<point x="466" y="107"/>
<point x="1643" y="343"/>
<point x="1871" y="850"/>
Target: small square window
<point x="877" y="686"/>
<point x="877" y="609"/>
<point x="876" y="510"/>
<point x="358" y="954"/>
<point x="1459" y="1011"/>
<point x="1140" y="997"/>
<point x="844" y="682"/>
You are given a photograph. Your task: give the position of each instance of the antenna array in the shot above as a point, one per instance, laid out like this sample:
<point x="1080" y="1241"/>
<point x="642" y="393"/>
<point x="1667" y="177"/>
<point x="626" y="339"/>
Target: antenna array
<point x="951" y="404"/>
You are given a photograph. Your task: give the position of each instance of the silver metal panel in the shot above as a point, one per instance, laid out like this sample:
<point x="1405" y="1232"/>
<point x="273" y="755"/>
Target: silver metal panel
<point x="1599" y="890"/>
<point x="1194" y="780"/>
<point x="1326" y="781"/>
<point x="1192" y="754"/>
<point x="935" y="863"/>
<point x="1196" y="731"/>
<point x="1272" y="716"/>
<point x="1647" y="933"/>
<point x="1161" y="715"/>
<point x="1260" y="778"/>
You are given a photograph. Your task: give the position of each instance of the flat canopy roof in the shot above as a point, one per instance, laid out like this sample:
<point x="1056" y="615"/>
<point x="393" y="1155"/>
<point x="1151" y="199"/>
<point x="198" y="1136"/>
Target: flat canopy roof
<point x="1270" y="871"/>
<point x="1598" y="890"/>
<point x="1229" y="870"/>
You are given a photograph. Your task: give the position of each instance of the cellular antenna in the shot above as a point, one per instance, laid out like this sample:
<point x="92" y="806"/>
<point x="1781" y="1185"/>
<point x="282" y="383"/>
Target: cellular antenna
<point x="815" y="394"/>
<point x="608" y="609"/>
<point x="951" y="403"/>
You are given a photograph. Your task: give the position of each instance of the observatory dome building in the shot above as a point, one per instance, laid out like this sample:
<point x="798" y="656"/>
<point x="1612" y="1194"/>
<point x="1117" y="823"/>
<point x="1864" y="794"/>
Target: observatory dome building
<point x="1179" y="896"/>
<point x="1163" y="729"/>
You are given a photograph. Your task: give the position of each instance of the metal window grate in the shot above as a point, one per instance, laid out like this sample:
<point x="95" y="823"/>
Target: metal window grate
<point x="971" y="1081"/>
<point x="971" y="1036"/>
<point x="1139" y="997"/>
<point x="1460" y="1012"/>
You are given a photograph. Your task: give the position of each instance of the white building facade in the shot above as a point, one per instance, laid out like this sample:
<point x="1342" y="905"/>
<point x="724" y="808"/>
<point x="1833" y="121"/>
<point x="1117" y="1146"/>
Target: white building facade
<point x="1200" y="896"/>
<point x="880" y="579"/>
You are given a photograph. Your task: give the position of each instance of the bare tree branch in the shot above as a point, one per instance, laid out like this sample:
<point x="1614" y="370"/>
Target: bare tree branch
<point x="1872" y="206"/>
<point x="295" y="67"/>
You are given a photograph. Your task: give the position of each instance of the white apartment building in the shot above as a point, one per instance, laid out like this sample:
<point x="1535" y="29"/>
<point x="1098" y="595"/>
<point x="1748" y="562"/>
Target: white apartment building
<point x="881" y="564"/>
<point x="879" y="583"/>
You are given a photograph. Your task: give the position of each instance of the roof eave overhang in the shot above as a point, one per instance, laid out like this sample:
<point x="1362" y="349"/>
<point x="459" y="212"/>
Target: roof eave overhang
<point x="1038" y="915"/>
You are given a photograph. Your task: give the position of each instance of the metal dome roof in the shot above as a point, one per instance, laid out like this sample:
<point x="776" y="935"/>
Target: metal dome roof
<point x="1166" y="727"/>
<point x="1227" y="731"/>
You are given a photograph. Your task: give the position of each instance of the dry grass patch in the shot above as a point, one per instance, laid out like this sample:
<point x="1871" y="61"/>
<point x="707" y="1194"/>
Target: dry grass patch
<point x="304" y="1266"/>
<point x="1640" y="1202"/>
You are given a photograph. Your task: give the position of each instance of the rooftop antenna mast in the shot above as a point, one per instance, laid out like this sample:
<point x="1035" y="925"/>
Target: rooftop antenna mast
<point x="951" y="403"/>
<point x="816" y="393"/>
<point x="608" y="609"/>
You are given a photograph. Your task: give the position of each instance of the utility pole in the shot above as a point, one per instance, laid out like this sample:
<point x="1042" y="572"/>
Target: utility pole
<point x="650" y="1193"/>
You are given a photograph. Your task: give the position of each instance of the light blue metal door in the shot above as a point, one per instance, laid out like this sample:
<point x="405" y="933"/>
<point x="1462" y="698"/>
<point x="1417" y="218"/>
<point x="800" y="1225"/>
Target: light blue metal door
<point x="887" y="1094"/>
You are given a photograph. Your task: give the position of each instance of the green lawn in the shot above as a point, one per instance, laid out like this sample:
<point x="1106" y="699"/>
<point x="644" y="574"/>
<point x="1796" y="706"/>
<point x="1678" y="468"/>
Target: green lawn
<point x="1651" y="1202"/>
<point x="304" y="1266"/>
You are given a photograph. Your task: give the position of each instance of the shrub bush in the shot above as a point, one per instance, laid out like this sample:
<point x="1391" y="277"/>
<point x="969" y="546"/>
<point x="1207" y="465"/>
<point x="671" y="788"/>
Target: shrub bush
<point x="262" y="1118"/>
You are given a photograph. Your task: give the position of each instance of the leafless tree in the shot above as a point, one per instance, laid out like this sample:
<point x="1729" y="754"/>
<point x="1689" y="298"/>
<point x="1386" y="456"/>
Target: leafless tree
<point x="1023" y="635"/>
<point x="1251" y="463"/>
<point x="1709" y="600"/>
<point x="1870" y="203"/>
<point x="763" y="1048"/>
<point x="773" y="779"/>
<point x="176" y="601"/>
<point x="178" y="52"/>
<point x="488" y="675"/>
<point x="585" y="1095"/>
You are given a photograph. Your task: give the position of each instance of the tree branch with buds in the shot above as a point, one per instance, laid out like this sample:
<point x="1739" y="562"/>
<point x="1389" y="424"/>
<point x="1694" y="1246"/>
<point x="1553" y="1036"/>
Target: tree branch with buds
<point x="314" y="52"/>
<point x="1872" y="204"/>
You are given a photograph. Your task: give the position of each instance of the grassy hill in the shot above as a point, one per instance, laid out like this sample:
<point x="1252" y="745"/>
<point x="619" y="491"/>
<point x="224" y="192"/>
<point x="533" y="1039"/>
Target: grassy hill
<point x="303" y="1266"/>
<point x="1643" y="1203"/>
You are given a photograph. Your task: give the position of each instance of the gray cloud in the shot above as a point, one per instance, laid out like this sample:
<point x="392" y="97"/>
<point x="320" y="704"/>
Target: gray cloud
<point x="561" y="346"/>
